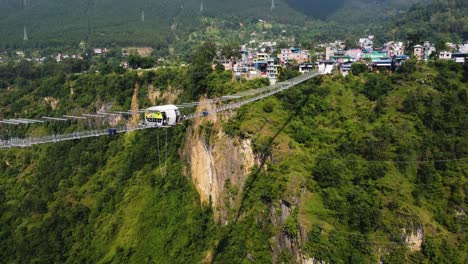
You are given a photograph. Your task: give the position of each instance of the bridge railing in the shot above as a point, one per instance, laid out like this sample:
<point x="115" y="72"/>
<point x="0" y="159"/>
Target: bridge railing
<point x="27" y="142"/>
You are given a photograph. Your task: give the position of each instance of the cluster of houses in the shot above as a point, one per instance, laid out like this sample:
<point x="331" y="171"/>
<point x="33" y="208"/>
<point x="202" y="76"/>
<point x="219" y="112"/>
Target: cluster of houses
<point x="455" y="52"/>
<point x="265" y="60"/>
<point x="386" y="58"/>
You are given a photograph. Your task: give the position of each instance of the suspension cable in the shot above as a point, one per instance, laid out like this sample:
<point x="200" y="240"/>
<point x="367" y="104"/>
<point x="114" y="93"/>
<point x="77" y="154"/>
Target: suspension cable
<point x="159" y="154"/>
<point x="165" y="161"/>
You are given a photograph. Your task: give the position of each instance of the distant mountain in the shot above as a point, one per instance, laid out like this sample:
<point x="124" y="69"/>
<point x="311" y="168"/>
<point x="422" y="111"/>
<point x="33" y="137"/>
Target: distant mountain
<point x="62" y="23"/>
<point x="59" y="22"/>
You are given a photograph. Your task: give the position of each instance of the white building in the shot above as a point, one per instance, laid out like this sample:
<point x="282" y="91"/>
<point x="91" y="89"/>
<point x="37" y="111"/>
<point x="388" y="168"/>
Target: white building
<point x="272" y="70"/>
<point x="445" y="55"/>
<point x="262" y="56"/>
<point x="366" y="43"/>
<point x="395" y="48"/>
<point x="463" y="48"/>
<point x="294" y="54"/>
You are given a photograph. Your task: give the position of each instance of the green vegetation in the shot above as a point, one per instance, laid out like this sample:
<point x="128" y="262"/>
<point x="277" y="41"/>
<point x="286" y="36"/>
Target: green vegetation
<point x="354" y="144"/>
<point x="173" y="28"/>
<point x="101" y="200"/>
<point x="440" y="21"/>
<point x="344" y="165"/>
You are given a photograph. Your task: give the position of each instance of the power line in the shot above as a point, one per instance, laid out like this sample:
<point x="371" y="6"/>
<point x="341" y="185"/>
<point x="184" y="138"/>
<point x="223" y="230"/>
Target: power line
<point x="394" y="161"/>
<point x="271" y="145"/>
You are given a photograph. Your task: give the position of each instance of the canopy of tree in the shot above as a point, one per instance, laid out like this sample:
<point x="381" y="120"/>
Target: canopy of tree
<point x="355" y="158"/>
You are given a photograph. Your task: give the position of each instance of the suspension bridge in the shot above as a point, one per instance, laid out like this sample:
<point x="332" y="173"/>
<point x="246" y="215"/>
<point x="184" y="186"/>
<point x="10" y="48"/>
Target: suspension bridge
<point x="222" y="104"/>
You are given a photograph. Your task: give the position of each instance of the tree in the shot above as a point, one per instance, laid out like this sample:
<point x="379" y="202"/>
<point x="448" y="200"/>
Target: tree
<point x="200" y="68"/>
<point x="358" y="68"/>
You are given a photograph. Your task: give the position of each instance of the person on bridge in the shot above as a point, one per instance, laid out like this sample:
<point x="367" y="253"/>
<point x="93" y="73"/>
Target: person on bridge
<point x="159" y="117"/>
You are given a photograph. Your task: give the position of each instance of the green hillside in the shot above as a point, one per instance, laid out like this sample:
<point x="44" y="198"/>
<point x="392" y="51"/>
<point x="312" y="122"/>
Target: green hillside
<point x="344" y="165"/>
<point x="110" y="22"/>
<point x="160" y="24"/>
<point x="442" y="20"/>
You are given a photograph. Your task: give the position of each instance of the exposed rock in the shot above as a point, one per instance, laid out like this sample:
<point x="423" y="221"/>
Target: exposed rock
<point x="52" y="102"/>
<point x="113" y="120"/>
<point x="169" y="96"/>
<point x="282" y="241"/>
<point x="415" y="239"/>
<point x="311" y="261"/>
<point x="460" y="214"/>
<point x="213" y="164"/>
<point x="135" y="118"/>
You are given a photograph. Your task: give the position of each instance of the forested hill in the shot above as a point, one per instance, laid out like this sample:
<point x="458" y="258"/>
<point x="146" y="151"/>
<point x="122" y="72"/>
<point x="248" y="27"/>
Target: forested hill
<point x="440" y="19"/>
<point x="56" y="23"/>
<point x="342" y="170"/>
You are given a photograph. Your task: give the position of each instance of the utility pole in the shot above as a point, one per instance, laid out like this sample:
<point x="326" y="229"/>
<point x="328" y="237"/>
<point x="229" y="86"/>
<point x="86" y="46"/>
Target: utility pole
<point x="201" y="7"/>
<point x="142" y="16"/>
<point x="273" y="6"/>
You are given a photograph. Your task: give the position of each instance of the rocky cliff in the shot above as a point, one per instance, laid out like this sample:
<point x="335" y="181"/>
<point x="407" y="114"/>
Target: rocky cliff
<point x="219" y="164"/>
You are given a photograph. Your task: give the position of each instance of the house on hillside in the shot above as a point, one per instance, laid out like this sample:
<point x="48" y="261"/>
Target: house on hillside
<point x="345" y="68"/>
<point x="366" y="43"/>
<point x="424" y="52"/>
<point x="99" y="51"/>
<point x="306" y="67"/>
<point x="445" y="55"/>
<point x="395" y="48"/>
<point x="463" y="47"/>
<point x="418" y="52"/>
<point x="460" y="57"/>
<point x="383" y="64"/>
<point x="272" y="70"/>
<point x="261" y="57"/>
<point x="429" y="49"/>
<point x="354" y="54"/>
<point x="294" y="54"/>
<point x="326" y="66"/>
<point x="329" y="52"/>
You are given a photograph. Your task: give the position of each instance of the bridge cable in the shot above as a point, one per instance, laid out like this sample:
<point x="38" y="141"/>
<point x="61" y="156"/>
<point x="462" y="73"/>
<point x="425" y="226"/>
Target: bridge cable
<point x="165" y="161"/>
<point x="159" y="153"/>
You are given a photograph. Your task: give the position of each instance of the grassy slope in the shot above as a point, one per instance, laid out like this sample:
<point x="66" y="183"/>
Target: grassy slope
<point x="104" y="200"/>
<point x="109" y="203"/>
<point x="337" y="116"/>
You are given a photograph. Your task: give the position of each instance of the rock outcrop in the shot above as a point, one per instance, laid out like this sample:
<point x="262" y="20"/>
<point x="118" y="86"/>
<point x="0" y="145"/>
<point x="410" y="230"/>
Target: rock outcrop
<point x="219" y="164"/>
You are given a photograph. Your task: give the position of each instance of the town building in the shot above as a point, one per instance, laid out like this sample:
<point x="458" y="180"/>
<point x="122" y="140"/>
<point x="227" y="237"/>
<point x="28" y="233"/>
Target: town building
<point x="366" y="43"/>
<point x="306" y="67"/>
<point x="418" y="52"/>
<point x="460" y="57"/>
<point x="395" y="48"/>
<point x="99" y="51"/>
<point x="445" y="55"/>
<point x="463" y="47"/>
<point x="272" y="70"/>
<point x="294" y="54"/>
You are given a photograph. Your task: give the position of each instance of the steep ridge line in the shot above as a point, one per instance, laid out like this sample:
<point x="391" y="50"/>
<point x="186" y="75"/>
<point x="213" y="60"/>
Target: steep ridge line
<point x="274" y="89"/>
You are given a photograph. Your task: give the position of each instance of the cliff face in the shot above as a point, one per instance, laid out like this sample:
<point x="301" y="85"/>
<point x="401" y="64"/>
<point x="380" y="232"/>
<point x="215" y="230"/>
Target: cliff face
<point x="219" y="164"/>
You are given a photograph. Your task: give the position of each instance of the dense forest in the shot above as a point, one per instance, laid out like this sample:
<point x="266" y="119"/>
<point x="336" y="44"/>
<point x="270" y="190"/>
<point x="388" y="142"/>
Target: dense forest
<point x="355" y="160"/>
<point x="367" y="168"/>
<point x="164" y="25"/>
